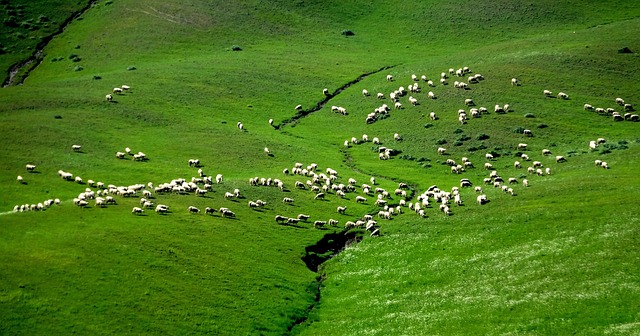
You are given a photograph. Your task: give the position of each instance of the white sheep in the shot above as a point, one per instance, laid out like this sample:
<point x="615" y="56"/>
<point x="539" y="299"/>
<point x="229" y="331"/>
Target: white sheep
<point x="219" y="178"/>
<point x="514" y="82"/>
<point x="442" y="150"/>
<point x="287" y="200"/>
<point x="108" y="97"/>
<point x="117" y="90"/>
<point x="325" y="91"/>
<point x="620" y="101"/>
<point x="563" y="95"/>
<point x="547" y="93"/>
<point x="365" y="92"/>
<point x="136" y="210"/>
<point x="30" y="167"/>
<point x="433" y="116"/>
<point x="390" y="78"/>
<point x="341" y="209"/>
<point x="396" y="137"/>
<point x="560" y="158"/>
<point x="380" y="95"/>
<point x="266" y="151"/>
<point x="193" y="209"/>
<point x="76" y="148"/>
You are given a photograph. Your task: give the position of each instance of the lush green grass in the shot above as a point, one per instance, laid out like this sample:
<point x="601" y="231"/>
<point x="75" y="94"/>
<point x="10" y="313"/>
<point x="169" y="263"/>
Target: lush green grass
<point x="559" y="257"/>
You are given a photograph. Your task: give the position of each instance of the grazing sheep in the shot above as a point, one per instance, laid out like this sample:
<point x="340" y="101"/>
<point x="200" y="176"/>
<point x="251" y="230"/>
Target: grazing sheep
<point x="341" y="209"/>
<point x="563" y="95"/>
<point x="390" y="78"/>
<point x="396" y="137"/>
<point x="604" y="165"/>
<point x="319" y="196"/>
<point x="548" y="171"/>
<point x="325" y="91"/>
<point x="628" y="107"/>
<point x="20" y="179"/>
<point x="360" y="199"/>
<point x="135" y="210"/>
<point x="365" y="92"/>
<point x="560" y="158"/>
<point x="287" y="200"/>
<point x="109" y="97"/>
<point x="431" y="95"/>
<point x="588" y="107"/>
<point x="117" y="90"/>
<point x="620" y="101"/>
<point x="433" y="116"/>
<point x="219" y="178"/>
<point x="514" y="82"/>
<point x="30" y="167"/>
<point x="193" y="209"/>
<point x="482" y="199"/>
<point x="380" y="95"/>
<point x="442" y="150"/>
<point x="516" y="164"/>
<point x="318" y="223"/>
<point x="547" y="93"/>
<point x="240" y="126"/>
<point x="76" y="148"/>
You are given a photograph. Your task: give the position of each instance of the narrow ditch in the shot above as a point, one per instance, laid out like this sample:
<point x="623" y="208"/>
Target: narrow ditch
<point x="303" y="113"/>
<point x="32" y="62"/>
<point x="315" y="255"/>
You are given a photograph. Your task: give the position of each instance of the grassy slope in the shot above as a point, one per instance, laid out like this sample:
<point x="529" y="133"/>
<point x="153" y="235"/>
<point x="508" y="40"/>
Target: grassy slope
<point x="26" y="23"/>
<point x="191" y="274"/>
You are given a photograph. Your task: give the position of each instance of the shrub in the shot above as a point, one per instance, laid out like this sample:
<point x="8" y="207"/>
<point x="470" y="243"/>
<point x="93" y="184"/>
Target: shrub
<point x="347" y="32"/>
<point x="423" y="159"/>
<point x="482" y="136"/>
<point x="542" y="126"/>
<point x="519" y="130"/>
<point x="72" y="56"/>
<point x="464" y="137"/>
<point x="529" y="115"/>
<point x="131" y="68"/>
<point x="458" y="131"/>
<point x="106" y="3"/>
<point x="431" y="125"/>
<point x="236" y="48"/>
<point x="441" y="142"/>
<point x="96" y="77"/>
<point x="77" y="46"/>
<point x="77" y="59"/>
<point x="78" y="68"/>
<point x="457" y="143"/>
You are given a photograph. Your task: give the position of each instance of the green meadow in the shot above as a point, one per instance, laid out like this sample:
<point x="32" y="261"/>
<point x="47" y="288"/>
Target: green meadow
<point x="559" y="256"/>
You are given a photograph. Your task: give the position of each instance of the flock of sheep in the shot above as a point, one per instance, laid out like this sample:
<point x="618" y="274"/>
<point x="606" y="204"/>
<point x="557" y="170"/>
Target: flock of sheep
<point x="328" y="184"/>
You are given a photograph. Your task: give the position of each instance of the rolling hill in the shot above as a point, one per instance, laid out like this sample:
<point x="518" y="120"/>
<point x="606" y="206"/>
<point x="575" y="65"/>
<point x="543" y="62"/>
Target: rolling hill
<point x="557" y="257"/>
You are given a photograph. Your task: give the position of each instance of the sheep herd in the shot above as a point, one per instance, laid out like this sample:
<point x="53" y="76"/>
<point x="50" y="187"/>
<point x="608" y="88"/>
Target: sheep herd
<point x="327" y="185"/>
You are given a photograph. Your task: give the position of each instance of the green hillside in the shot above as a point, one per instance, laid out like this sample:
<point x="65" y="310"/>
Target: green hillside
<point x="557" y="257"/>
